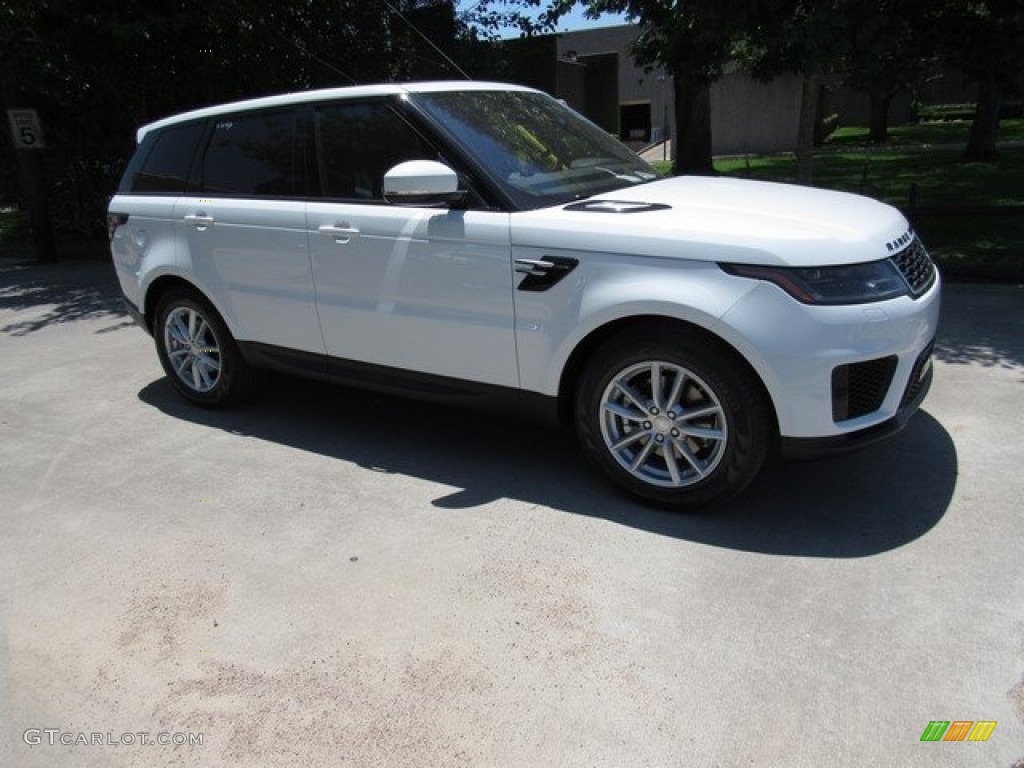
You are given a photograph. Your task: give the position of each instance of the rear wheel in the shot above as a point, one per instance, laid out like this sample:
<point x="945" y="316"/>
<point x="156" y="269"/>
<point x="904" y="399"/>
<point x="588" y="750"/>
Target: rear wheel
<point x="198" y="353"/>
<point x="671" y="419"/>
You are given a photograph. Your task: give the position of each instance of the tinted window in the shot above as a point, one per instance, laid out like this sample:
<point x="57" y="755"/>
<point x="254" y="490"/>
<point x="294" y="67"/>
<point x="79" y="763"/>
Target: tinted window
<point x="358" y="143"/>
<point x="251" y="155"/>
<point x="166" y="166"/>
<point x="540" y="151"/>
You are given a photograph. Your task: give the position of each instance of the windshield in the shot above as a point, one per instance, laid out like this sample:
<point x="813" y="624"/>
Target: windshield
<point x="540" y="151"/>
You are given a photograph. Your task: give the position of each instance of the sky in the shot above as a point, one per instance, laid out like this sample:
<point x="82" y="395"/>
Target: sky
<point x="573" y="21"/>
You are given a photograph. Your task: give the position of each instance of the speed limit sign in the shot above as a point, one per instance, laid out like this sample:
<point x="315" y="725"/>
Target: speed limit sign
<point x="26" y="132"/>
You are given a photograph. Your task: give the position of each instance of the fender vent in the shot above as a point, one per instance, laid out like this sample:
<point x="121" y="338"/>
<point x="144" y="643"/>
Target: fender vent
<point x="542" y="274"/>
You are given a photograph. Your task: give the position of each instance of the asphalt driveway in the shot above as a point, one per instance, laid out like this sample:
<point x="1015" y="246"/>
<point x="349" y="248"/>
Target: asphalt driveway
<point x="324" y="577"/>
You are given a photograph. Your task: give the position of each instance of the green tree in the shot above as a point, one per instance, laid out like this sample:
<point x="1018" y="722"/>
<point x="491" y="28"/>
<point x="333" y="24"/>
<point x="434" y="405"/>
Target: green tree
<point x="97" y="69"/>
<point x="892" y="49"/>
<point x="985" y="39"/>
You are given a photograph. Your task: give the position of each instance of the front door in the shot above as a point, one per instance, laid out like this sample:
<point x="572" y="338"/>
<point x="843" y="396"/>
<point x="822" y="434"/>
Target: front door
<point x="423" y="289"/>
<point x="420" y="289"/>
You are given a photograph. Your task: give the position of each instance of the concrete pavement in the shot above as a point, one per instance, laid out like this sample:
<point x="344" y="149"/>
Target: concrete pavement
<point x="324" y="577"/>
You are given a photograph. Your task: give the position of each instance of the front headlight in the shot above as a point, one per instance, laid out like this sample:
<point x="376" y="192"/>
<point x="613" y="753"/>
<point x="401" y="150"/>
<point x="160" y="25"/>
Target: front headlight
<point x="847" y="284"/>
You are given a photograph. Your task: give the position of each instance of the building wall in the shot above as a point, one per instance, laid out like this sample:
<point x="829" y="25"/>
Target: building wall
<point x="594" y="72"/>
<point x="632" y="85"/>
<point x="746" y="115"/>
<point x="751" y="117"/>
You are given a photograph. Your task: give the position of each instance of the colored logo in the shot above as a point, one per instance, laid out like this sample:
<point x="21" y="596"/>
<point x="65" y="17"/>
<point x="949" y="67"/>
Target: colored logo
<point x="958" y="730"/>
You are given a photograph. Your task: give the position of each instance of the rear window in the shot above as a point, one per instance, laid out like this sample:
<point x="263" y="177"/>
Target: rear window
<point x="161" y="163"/>
<point x="252" y="155"/>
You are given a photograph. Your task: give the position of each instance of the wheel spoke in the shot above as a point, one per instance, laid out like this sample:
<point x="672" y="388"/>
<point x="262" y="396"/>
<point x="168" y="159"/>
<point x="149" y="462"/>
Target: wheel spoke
<point x="693" y="461"/>
<point x="629" y="439"/>
<point x="642" y="457"/>
<point x="704" y="433"/>
<point x="673" y="465"/>
<point x="200" y="336"/>
<point x="711" y="409"/>
<point x="208" y="363"/>
<point x="656" y="392"/>
<point x="629" y="392"/>
<point x="178" y="331"/>
<point x="676" y="392"/>
<point x="622" y="411"/>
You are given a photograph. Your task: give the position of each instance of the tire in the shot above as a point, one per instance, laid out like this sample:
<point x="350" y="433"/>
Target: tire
<point x="672" y="419"/>
<point x="198" y="353"/>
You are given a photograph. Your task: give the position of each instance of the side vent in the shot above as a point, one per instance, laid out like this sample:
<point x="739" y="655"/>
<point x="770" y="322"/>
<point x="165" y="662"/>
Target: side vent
<point x="541" y="274"/>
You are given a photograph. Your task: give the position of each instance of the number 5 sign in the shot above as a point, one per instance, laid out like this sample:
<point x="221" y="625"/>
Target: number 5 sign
<point x="26" y="132"/>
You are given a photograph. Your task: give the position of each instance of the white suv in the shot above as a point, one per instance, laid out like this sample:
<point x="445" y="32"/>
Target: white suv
<point x="479" y="239"/>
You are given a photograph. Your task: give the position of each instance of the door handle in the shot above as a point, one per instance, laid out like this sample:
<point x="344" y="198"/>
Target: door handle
<point x="199" y="220"/>
<point x="341" y="233"/>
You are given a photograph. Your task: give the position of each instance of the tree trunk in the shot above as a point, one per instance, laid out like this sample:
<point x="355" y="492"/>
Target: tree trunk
<point x="981" y="143"/>
<point x="880" y="118"/>
<point x="805" y="137"/>
<point x="691" y="150"/>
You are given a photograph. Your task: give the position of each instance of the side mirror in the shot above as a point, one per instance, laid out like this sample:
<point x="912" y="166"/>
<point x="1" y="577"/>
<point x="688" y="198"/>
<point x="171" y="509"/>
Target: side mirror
<point x="422" y="183"/>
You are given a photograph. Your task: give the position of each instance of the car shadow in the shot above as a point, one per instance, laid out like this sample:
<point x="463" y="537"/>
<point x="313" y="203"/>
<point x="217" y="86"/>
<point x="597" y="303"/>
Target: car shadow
<point x="852" y="506"/>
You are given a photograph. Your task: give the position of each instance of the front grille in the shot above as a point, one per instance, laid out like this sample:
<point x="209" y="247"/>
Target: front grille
<point x="860" y="388"/>
<point x="916" y="266"/>
<point x="917" y="379"/>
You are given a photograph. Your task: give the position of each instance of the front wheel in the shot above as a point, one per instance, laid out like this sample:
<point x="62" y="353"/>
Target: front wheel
<point x="671" y="419"/>
<point x="198" y="353"/>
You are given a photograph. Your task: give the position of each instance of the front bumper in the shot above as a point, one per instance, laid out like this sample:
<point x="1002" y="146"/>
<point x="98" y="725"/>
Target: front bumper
<point x="837" y="375"/>
<point x="806" y="448"/>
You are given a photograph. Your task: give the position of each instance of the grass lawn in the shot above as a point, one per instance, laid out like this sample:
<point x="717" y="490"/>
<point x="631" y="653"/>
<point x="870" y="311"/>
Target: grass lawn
<point x="941" y="177"/>
<point x="965" y="244"/>
<point x="926" y="134"/>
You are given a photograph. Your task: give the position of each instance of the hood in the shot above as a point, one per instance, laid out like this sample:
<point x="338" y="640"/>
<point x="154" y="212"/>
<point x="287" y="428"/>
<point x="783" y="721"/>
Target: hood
<point x="715" y="219"/>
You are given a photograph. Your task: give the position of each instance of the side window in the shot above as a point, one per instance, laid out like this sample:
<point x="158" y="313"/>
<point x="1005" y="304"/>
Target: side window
<point x="358" y="143"/>
<point x="252" y="155"/>
<point x="165" y="168"/>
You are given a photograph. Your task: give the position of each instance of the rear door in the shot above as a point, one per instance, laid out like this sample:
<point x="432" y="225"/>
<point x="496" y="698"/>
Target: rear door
<point x="245" y="229"/>
<point x="422" y="289"/>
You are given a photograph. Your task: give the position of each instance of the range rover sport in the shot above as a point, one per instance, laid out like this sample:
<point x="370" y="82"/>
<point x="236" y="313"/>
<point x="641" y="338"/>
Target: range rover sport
<point x="475" y="238"/>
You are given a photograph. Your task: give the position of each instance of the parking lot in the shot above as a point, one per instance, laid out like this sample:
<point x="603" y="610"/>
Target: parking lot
<point x="325" y="577"/>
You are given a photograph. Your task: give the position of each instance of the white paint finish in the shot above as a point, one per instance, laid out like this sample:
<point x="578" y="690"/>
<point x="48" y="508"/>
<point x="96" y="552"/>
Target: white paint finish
<point x="794" y="348"/>
<point x="254" y="262"/>
<point x="418" y="288"/>
<point x="724" y="220"/>
<point x="145" y="246"/>
<point x="608" y="287"/>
